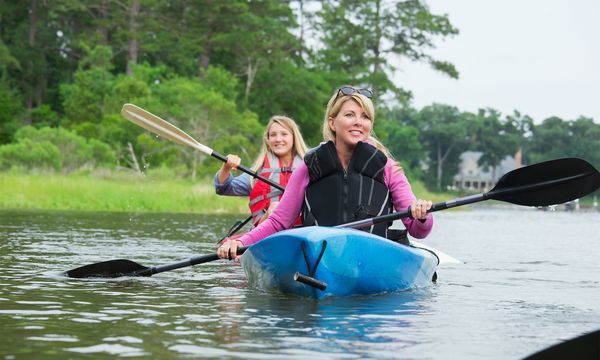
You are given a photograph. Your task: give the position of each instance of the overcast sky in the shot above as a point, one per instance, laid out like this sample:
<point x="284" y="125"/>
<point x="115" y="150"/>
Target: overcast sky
<point x="541" y="57"/>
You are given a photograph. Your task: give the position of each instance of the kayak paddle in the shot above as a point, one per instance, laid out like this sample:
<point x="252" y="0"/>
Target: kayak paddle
<point x="542" y="184"/>
<point x="163" y="128"/>
<point x="123" y="267"/>
<point x="586" y="346"/>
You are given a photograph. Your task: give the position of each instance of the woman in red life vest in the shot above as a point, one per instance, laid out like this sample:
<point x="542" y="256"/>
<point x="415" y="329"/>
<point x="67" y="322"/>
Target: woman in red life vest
<point x="282" y="151"/>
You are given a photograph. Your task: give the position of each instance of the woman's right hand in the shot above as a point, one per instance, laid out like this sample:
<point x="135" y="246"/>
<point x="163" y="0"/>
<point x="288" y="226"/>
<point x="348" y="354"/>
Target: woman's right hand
<point x="233" y="161"/>
<point x="228" y="249"/>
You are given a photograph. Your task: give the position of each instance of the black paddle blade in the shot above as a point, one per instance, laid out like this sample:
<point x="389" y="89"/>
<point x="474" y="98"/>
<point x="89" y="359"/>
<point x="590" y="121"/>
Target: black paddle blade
<point x="582" y="347"/>
<point x="108" y="269"/>
<point x="547" y="183"/>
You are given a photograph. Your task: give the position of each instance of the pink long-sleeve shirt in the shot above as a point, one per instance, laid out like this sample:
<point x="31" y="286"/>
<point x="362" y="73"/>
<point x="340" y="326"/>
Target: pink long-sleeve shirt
<point x="290" y="204"/>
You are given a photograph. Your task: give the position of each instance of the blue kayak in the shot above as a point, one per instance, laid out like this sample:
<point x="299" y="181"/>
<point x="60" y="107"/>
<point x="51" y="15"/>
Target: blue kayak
<point x="318" y="262"/>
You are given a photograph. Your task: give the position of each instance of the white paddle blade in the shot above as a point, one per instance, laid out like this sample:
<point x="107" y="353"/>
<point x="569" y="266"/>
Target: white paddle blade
<point x="445" y="259"/>
<point x="161" y="127"/>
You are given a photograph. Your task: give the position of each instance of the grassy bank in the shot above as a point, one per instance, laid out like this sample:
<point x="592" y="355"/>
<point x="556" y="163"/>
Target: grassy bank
<point x="125" y="192"/>
<point x="114" y="193"/>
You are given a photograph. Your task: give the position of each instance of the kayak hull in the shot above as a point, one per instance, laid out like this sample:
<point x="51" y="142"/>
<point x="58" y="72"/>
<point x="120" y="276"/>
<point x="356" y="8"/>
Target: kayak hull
<point x="353" y="262"/>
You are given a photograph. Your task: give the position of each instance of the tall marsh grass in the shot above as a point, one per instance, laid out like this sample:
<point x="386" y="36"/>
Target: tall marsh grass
<point x="90" y="192"/>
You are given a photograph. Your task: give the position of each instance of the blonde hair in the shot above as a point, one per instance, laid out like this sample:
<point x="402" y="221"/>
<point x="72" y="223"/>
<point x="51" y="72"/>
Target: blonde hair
<point x="335" y="105"/>
<point x="298" y="148"/>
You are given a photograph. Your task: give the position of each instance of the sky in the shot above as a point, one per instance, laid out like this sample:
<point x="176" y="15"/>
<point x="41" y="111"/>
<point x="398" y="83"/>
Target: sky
<point x="540" y="57"/>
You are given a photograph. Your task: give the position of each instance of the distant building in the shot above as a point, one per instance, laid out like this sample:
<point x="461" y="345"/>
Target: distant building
<point x="472" y="177"/>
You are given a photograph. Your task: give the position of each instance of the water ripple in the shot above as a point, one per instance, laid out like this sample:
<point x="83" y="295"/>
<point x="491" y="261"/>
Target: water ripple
<point x="510" y="297"/>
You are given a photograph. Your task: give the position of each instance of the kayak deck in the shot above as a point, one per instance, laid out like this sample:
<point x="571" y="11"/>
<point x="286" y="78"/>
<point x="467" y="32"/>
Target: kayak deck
<point x="348" y="261"/>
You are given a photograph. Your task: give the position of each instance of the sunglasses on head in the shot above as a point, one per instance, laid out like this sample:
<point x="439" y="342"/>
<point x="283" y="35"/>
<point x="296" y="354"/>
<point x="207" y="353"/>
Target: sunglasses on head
<point x="349" y="90"/>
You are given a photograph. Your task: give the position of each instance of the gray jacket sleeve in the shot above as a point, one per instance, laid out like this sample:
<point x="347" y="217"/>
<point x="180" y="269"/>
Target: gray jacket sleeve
<point x="233" y="186"/>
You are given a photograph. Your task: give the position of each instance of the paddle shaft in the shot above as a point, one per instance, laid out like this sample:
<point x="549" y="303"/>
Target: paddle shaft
<point x="178" y="265"/>
<point x="249" y="171"/>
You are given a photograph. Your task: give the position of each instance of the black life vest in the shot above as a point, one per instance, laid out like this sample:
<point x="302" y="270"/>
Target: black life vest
<point x="335" y="196"/>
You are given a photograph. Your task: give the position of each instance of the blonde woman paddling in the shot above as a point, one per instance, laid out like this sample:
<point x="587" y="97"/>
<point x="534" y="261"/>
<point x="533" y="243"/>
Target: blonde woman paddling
<point x="349" y="177"/>
<point x="281" y="153"/>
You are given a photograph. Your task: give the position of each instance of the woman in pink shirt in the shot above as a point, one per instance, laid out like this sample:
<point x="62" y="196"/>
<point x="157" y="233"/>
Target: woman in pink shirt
<point x="350" y="177"/>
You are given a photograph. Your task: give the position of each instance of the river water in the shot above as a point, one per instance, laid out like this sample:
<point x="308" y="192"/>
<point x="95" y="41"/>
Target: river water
<point x="530" y="279"/>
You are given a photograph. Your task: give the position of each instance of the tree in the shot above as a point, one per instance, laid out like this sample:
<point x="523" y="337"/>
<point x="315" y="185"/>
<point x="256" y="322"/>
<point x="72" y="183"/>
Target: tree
<point x="397" y="129"/>
<point x="28" y="35"/>
<point x="556" y="138"/>
<point x="287" y="89"/>
<point x="7" y="61"/>
<point x="54" y="148"/>
<point x="10" y="107"/>
<point x="443" y="130"/>
<point x="586" y="140"/>
<point x="187" y="33"/>
<point x="207" y="116"/>
<point x="362" y="40"/>
<point x="84" y="99"/>
<point x="260" y="39"/>
<point x="550" y="140"/>
<point x="495" y="137"/>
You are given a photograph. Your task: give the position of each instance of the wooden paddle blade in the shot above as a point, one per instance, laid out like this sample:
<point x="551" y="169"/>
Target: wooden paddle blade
<point x="108" y="269"/>
<point x="547" y="183"/>
<point x="161" y="127"/>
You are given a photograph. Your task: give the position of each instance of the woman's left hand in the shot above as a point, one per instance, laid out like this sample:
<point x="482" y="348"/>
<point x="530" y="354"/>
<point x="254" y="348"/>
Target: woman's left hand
<point x="418" y="209"/>
<point x="228" y="249"/>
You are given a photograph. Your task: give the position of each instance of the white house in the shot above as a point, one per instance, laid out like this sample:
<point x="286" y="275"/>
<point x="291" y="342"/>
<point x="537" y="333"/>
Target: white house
<point x="472" y="177"/>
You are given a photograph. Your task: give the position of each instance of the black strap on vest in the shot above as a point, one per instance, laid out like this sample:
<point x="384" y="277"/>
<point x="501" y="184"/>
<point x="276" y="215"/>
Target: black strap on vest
<point x="336" y="196"/>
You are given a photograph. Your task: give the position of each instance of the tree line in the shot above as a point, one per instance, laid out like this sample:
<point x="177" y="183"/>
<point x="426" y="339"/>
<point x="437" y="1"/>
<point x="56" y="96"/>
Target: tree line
<point x="220" y="69"/>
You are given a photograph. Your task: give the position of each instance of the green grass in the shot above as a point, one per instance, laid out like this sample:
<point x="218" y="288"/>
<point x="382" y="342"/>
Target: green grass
<point x="115" y="191"/>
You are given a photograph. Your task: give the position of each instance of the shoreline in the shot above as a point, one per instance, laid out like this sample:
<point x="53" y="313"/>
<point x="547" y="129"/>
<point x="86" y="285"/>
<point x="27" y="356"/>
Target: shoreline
<point x="124" y="192"/>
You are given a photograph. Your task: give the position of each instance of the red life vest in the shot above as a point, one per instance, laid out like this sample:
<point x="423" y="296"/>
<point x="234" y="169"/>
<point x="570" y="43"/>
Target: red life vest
<point x="262" y="193"/>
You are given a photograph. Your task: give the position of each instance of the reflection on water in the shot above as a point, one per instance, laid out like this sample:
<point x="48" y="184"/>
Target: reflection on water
<point x="520" y="286"/>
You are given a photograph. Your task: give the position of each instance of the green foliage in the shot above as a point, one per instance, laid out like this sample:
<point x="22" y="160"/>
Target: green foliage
<point x="44" y="116"/>
<point x="221" y="81"/>
<point x="96" y="57"/>
<point x="126" y="89"/>
<point x="6" y="60"/>
<point x="586" y="140"/>
<point x="301" y="94"/>
<point x="85" y="98"/>
<point x="397" y="129"/>
<point x="207" y="116"/>
<point x="115" y="130"/>
<point x="556" y="138"/>
<point x="10" y="107"/>
<point x="100" y="153"/>
<point x="495" y="137"/>
<point x="444" y="131"/>
<point x="54" y="148"/>
<point x="29" y="154"/>
<point x="220" y="69"/>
